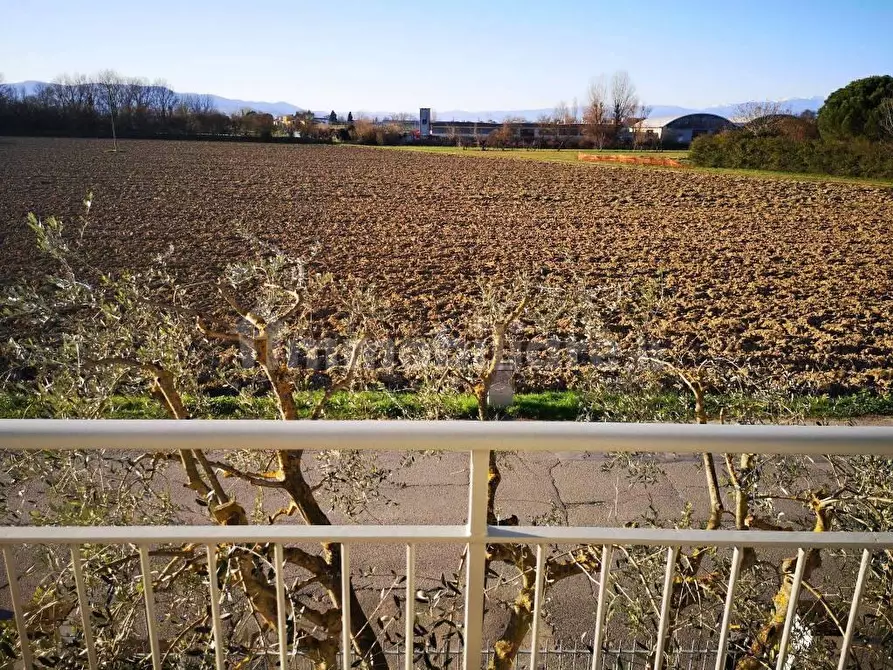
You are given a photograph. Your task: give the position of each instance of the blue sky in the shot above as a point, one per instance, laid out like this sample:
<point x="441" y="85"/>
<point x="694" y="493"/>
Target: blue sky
<point x="395" y="55"/>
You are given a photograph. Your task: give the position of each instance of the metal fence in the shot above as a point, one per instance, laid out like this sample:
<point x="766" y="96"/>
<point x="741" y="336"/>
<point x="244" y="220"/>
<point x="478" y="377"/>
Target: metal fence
<point x="479" y="439"/>
<point x="626" y="655"/>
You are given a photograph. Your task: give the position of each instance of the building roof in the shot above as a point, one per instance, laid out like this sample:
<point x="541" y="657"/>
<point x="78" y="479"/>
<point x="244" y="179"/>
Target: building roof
<point x="664" y="121"/>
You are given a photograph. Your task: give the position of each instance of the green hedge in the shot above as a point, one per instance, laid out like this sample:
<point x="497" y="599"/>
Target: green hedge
<point x="740" y="150"/>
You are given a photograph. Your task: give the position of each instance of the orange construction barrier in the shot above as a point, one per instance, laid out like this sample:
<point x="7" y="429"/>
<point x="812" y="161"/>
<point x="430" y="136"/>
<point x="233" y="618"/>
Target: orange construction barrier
<point x="621" y="158"/>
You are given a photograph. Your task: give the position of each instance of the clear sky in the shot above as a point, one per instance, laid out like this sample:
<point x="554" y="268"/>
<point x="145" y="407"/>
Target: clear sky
<point x="392" y="55"/>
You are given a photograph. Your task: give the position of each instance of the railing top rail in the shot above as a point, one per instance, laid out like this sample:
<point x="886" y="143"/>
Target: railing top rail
<point x="663" y="537"/>
<point x="154" y="435"/>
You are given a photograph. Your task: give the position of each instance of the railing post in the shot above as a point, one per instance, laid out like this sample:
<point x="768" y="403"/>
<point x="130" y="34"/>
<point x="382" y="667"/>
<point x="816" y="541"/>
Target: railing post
<point x="217" y="624"/>
<point x="476" y="557"/>
<point x="84" y="605"/>
<point x="672" y="555"/>
<point x="346" y="649"/>
<point x="723" y="644"/>
<point x="410" y="607"/>
<point x="602" y="607"/>
<point x="281" y="607"/>
<point x="540" y="578"/>
<point x="151" y="618"/>
<point x="18" y="608"/>
<point x="854" y="610"/>
<point x="793" y="602"/>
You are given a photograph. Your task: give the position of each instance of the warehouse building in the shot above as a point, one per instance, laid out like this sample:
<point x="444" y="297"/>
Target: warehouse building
<point x="681" y="130"/>
<point x="667" y="130"/>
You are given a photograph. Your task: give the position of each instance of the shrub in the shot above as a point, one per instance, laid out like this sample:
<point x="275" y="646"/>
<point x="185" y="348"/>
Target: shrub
<point x="367" y="132"/>
<point x="846" y="158"/>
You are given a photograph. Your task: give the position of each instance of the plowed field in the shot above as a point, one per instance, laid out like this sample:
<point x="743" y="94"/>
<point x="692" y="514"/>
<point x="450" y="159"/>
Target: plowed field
<point x="762" y="272"/>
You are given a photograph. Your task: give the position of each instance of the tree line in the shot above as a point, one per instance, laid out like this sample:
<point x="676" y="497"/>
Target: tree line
<point x="852" y="135"/>
<point x="108" y="104"/>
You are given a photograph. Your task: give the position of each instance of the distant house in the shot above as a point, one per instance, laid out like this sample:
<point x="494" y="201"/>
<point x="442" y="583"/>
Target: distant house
<point x="680" y="129"/>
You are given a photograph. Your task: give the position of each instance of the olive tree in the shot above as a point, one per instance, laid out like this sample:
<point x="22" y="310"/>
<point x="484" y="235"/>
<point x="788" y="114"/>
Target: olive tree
<point x="85" y="336"/>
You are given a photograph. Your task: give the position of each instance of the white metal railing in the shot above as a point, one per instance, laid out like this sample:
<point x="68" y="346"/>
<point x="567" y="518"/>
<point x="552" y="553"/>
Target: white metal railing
<point x="478" y="438"/>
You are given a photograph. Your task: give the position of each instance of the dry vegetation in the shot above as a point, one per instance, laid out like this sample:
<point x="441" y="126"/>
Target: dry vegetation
<point x="764" y="273"/>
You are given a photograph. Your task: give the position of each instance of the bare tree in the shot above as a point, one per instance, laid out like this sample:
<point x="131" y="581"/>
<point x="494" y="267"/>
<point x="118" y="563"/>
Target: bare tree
<point x="641" y="115"/>
<point x="455" y="137"/>
<point x="624" y="100"/>
<point x="404" y="121"/>
<point x="137" y="94"/>
<point x="201" y="103"/>
<point x="563" y="115"/>
<point x="163" y="99"/>
<point x="111" y="88"/>
<point x="85" y="92"/>
<point x="595" y="114"/>
<point x="760" y="118"/>
<point x="73" y="93"/>
<point x="546" y="125"/>
<point x="4" y="89"/>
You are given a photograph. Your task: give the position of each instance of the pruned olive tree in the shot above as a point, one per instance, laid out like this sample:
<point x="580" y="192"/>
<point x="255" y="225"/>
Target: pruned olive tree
<point x="83" y="337"/>
<point x="741" y="492"/>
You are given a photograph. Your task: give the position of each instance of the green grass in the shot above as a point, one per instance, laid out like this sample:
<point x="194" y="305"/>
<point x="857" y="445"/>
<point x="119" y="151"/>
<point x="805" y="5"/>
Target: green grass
<point x="649" y="405"/>
<point x="570" y="156"/>
<point x="793" y="176"/>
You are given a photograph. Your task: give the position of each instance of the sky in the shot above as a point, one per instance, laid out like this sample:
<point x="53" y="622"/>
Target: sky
<point x="393" y="55"/>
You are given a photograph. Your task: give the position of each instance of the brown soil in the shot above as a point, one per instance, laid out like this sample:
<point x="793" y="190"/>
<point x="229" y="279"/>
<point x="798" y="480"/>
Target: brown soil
<point x="765" y="273"/>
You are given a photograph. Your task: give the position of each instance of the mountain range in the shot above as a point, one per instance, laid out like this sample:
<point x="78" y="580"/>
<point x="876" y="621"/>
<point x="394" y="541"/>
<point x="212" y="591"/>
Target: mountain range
<point x="230" y="105"/>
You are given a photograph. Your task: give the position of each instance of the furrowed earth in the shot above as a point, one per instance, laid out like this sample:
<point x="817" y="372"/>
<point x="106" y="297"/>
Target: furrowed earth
<point x="778" y="275"/>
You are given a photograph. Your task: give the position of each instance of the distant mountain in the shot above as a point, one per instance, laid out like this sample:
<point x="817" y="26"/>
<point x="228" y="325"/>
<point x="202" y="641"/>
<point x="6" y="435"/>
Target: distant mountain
<point x="794" y="105"/>
<point x="489" y="115"/>
<point x="225" y="105"/>
<point x="230" y="105"/>
<point x="23" y="88"/>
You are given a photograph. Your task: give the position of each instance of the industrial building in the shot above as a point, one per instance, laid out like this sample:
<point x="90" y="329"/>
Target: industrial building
<point x="671" y="130"/>
<point x="680" y="130"/>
